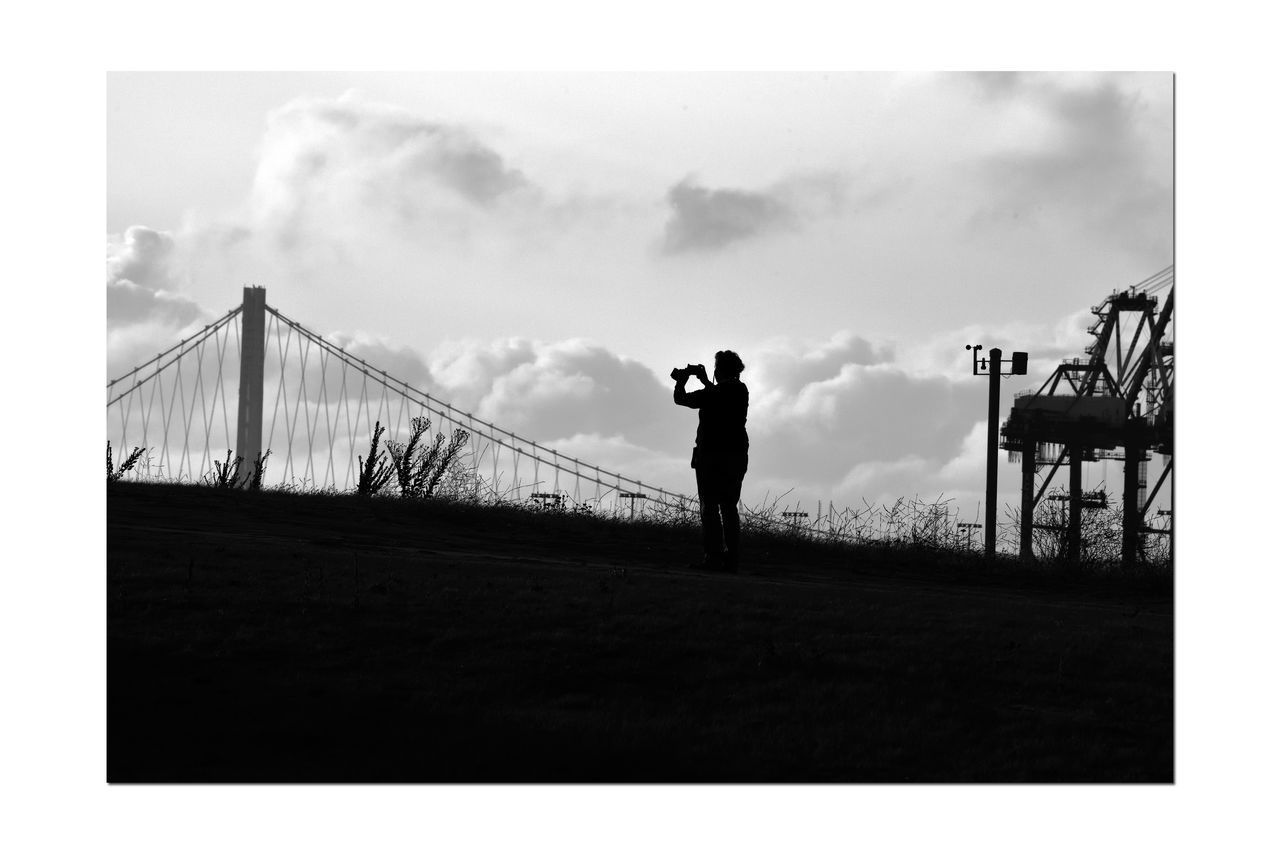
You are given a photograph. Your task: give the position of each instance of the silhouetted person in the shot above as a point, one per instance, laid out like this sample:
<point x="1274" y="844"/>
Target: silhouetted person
<point x="719" y="454"/>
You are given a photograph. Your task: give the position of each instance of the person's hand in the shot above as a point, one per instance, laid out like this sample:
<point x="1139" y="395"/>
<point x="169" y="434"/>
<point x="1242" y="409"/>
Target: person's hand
<point x="700" y="372"/>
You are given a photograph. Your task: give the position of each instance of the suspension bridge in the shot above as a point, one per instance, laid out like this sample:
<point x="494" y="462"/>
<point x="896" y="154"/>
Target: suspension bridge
<point x="268" y="383"/>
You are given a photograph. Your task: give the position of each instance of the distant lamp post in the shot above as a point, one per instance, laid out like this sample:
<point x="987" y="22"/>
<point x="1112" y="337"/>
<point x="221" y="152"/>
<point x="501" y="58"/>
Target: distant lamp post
<point x="633" y="496"/>
<point x="548" y="500"/>
<point x="991" y="367"/>
<point x="968" y="533"/>
<point x="793" y="517"/>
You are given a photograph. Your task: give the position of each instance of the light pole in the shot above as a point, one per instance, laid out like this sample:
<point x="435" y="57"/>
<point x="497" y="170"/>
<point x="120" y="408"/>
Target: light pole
<point x="633" y="496"/>
<point x="991" y="367"/>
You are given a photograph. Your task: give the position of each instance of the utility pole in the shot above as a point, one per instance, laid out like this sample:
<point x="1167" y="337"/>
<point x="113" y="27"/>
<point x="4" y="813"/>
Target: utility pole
<point x="991" y="366"/>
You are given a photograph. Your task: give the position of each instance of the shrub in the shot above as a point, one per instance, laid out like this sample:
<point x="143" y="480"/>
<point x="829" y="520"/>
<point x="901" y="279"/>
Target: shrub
<point x="419" y="468"/>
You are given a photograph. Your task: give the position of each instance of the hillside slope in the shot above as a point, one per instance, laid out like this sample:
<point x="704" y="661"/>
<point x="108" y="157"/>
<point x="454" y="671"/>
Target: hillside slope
<point x="309" y="638"/>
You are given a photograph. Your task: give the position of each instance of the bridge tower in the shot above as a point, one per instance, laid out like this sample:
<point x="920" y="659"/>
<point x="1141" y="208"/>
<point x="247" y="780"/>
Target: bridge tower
<point x="253" y="330"/>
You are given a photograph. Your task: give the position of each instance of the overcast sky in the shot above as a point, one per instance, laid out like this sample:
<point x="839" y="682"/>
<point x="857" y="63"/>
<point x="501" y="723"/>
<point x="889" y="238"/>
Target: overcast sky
<point x="541" y="249"/>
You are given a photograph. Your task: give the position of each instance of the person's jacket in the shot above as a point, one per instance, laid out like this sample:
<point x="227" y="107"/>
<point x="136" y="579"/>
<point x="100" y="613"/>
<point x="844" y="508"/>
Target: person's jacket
<point x="722" y="416"/>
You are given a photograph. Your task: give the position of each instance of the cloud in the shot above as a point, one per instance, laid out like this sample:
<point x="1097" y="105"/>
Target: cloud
<point x="703" y="219"/>
<point x="400" y="361"/>
<point x="669" y="471"/>
<point x="129" y="303"/>
<point x="1091" y="151"/>
<point x="142" y="280"/>
<point x="145" y="313"/>
<point x="549" y="391"/>
<point x="323" y="159"/>
<point x="1047" y="345"/>
<point x="143" y="256"/>
<point x="865" y="414"/>
<point x="788" y="366"/>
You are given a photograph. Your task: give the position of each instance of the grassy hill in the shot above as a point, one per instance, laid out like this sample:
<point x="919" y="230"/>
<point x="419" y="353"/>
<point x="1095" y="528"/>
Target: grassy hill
<point x="276" y="637"/>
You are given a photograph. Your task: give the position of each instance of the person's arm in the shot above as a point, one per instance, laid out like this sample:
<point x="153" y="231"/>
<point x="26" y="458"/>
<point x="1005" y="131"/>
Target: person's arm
<point x="692" y="399"/>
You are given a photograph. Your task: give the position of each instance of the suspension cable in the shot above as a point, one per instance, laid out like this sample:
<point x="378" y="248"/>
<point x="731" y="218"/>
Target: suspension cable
<point x="450" y="413"/>
<point x="193" y="341"/>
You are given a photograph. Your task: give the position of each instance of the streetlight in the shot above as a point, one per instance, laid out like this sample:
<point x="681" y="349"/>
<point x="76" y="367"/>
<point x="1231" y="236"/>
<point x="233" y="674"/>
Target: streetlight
<point x="991" y="368"/>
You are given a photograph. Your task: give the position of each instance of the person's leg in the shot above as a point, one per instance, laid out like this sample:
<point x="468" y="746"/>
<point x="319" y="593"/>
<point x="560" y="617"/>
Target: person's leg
<point x="731" y="534"/>
<point x="729" y="496"/>
<point x="712" y="534"/>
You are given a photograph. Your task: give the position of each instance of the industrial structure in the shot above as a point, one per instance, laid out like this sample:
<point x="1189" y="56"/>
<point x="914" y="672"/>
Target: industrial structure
<point x="1114" y="403"/>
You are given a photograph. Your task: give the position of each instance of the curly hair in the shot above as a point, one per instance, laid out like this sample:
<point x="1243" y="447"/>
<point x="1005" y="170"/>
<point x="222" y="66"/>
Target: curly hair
<point x="728" y="362"/>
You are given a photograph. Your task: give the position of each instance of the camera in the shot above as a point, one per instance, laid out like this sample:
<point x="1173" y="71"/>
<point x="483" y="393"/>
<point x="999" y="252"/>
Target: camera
<point x="687" y="371"/>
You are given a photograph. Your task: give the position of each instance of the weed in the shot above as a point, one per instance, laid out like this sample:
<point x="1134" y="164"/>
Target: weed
<point x="113" y="473"/>
<point x="225" y="475"/>
<point x="419" y="468"/>
<point x="375" y="471"/>
<point x="259" y="468"/>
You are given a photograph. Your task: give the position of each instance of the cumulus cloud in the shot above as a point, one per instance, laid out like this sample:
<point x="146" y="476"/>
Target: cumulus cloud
<point x="555" y="390"/>
<point x="325" y="158"/>
<point x="145" y="312"/>
<point x="328" y="380"/>
<point x="866" y="414"/>
<point x="786" y="367"/>
<point x="400" y="361"/>
<point x="143" y="256"/>
<point x="142" y="280"/>
<point x="129" y="303"/>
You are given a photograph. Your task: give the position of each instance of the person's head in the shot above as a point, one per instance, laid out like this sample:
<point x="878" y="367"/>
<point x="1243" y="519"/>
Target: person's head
<point x="728" y="366"/>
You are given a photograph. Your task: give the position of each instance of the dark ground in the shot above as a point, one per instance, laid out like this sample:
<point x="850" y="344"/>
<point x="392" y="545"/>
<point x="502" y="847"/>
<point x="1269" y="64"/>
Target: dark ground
<point x="266" y="637"/>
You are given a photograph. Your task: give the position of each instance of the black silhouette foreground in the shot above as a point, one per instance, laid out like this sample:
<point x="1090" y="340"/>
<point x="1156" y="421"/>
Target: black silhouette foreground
<point x="276" y="637"/>
<point x="719" y="454"/>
